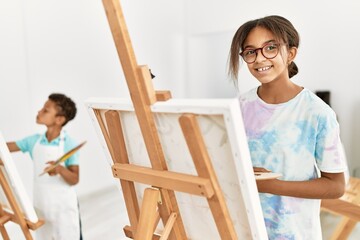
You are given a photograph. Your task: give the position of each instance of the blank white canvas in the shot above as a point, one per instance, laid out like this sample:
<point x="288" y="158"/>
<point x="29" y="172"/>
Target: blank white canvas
<point x="223" y="132"/>
<point x="10" y="171"/>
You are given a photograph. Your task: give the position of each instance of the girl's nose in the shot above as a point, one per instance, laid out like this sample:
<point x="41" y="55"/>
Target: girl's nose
<point x="259" y="56"/>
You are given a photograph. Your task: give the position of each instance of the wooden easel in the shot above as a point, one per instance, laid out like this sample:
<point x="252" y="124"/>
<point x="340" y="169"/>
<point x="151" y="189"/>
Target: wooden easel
<point x="159" y="202"/>
<point x="16" y="215"/>
<point x="348" y="206"/>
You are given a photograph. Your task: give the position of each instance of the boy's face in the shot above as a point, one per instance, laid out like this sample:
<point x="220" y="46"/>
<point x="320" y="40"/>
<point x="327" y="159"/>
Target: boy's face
<point x="48" y="115"/>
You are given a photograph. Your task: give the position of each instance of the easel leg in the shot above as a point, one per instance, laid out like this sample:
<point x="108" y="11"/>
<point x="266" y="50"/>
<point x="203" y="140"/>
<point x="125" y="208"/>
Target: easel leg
<point x="149" y="215"/>
<point x="20" y="219"/>
<point x="344" y="229"/>
<point x="116" y="142"/>
<point x="168" y="227"/>
<point x="4" y="233"/>
<point x="202" y="162"/>
<point x="142" y="95"/>
<point x="3" y="219"/>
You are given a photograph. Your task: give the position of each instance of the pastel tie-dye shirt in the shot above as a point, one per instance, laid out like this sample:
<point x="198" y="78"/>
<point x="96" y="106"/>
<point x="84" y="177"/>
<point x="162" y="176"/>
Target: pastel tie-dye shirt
<point x="294" y="139"/>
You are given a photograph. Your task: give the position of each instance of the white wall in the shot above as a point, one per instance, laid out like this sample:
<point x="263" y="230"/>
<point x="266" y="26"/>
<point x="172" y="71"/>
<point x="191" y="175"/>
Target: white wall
<point x="66" y="46"/>
<point x="327" y="59"/>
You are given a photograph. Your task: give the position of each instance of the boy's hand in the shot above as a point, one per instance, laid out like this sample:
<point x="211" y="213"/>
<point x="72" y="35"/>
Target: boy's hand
<point x="55" y="171"/>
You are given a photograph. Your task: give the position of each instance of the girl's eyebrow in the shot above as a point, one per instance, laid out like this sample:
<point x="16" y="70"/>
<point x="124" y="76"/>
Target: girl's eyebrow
<point x="251" y="46"/>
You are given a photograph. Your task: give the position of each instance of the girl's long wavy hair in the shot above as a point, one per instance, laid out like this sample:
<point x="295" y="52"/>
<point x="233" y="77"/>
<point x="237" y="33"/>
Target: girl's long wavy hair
<point x="283" y="31"/>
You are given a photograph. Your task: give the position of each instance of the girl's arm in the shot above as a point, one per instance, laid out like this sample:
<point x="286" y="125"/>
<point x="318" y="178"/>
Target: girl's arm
<point x="12" y="147"/>
<point x="70" y="174"/>
<point x="329" y="185"/>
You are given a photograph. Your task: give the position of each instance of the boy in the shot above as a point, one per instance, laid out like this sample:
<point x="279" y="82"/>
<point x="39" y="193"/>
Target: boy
<point x="54" y="197"/>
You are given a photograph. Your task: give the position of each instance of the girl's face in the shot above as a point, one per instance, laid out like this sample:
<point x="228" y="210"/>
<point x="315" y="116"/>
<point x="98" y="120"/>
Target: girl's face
<point x="263" y="69"/>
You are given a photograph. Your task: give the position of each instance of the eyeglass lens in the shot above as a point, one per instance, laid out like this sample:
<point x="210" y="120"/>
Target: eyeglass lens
<point x="269" y="51"/>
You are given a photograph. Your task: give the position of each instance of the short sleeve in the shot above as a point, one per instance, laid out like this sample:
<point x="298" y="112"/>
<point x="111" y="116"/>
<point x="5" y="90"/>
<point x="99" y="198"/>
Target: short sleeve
<point x="328" y="152"/>
<point x="27" y="144"/>
<point x="68" y="145"/>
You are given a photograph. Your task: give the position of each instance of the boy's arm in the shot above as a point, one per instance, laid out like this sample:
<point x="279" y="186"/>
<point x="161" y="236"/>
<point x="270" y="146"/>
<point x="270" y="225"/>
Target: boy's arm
<point x="70" y="174"/>
<point x="328" y="186"/>
<point x="12" y="147"/>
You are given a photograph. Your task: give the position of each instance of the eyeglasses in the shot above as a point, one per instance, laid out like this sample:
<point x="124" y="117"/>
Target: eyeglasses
<point x="269" y="51"/>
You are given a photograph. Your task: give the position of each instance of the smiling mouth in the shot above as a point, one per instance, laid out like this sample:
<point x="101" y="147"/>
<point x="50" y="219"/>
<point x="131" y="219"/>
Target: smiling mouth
<point x="262" y="69"/>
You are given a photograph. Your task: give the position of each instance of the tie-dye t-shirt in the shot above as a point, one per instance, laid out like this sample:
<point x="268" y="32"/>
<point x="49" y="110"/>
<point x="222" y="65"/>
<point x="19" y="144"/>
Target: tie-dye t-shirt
<point x="295" y="139"/>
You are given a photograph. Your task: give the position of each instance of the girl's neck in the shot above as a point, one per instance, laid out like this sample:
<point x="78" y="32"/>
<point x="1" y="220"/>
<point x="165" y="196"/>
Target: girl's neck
<point x="275" y="93"/>
<point x="52" y="133"/>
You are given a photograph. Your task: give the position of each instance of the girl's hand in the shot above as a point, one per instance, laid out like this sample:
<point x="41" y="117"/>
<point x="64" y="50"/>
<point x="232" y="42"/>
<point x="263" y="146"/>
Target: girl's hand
<point x="260" y="169"/>
<point x="262" y="185"/>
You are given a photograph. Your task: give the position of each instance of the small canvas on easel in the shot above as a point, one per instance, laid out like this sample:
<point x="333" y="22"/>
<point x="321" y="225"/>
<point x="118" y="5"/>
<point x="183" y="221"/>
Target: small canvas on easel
<point x="13" y="179"/>
<point x="222" y="129"/>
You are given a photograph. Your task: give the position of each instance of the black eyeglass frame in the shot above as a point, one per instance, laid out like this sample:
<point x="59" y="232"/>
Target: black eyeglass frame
<point x="261" y="50"/>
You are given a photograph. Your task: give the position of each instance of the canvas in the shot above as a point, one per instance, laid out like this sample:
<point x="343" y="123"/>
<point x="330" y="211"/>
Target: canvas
<point x="13" y="178"/>
<point x="221" y="125"/>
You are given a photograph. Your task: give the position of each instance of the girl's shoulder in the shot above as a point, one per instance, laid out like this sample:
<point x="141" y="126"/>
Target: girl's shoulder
<point x="249" y="95"/>
<point x="315" y="103"/>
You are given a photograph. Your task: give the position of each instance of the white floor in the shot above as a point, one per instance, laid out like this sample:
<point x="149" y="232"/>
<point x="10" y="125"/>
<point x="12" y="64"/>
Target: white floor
<point x="104" y="215"/>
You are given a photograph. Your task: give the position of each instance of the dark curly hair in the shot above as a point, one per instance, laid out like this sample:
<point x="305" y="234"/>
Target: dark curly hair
<point x="283" y="31"/>
<point x="65" y="106"/>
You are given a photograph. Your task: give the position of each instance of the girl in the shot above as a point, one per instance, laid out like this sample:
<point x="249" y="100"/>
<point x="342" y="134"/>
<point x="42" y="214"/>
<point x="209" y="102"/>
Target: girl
<point x="289" y="129"/>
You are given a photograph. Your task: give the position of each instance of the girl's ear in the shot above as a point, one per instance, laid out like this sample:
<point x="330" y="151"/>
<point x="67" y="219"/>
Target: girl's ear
<point x="292" y="54"/>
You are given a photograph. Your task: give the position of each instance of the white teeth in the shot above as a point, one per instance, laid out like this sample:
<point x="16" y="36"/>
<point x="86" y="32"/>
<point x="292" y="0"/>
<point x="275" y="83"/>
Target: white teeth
<point x="263" y="69"/>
